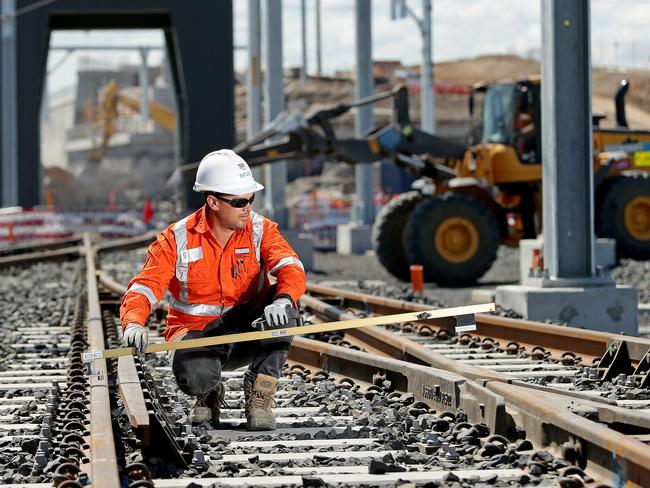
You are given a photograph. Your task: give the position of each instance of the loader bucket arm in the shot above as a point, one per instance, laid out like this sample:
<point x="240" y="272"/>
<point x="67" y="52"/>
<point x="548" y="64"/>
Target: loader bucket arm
<point x="294" y="136"/>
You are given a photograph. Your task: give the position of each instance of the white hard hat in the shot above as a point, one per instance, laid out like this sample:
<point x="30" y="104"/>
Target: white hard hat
<point x="223" y="171"/>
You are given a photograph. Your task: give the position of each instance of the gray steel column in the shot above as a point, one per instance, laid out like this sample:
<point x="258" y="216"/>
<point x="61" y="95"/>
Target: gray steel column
<point x="275" y="173"/>
<point x="319" y="58"/>
<point x="8" y="101"/>
<point x="567" y="140"/>
<point x="253" y="91"/>
<point x="45" y="109"/>
<point x="303" y="24"/>
<point x="427" y="95"/>
<point x="144" y="84"/>
<point x="364" y="208"/>
<point x="253" y="86"/>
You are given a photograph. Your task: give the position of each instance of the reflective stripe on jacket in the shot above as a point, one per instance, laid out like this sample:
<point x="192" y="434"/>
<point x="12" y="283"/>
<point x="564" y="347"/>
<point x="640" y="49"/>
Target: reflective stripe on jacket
<point x="204" y="280"/>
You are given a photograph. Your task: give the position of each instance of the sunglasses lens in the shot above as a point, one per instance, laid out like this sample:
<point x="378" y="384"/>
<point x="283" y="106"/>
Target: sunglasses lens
<point x="238" y="202"/>
<point x="241" y="202"/>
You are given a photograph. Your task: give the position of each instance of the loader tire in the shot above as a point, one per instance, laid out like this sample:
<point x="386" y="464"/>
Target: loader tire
<point x="454" y="237"/>
<point x="623" y="214"/>
<point x="388" y="234"/>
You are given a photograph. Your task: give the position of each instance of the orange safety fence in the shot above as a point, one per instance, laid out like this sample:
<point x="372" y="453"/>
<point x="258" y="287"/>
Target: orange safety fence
<point x="21" y="224"/>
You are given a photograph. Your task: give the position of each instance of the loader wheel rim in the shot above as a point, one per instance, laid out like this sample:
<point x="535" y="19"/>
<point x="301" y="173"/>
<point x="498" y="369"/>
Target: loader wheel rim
<point x="637" y="217"/>
<point x="456" y="240"/>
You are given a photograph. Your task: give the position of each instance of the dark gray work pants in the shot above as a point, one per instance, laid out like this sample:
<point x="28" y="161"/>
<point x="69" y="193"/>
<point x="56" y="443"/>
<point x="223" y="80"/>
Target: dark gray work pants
<point x="198" y="370"/>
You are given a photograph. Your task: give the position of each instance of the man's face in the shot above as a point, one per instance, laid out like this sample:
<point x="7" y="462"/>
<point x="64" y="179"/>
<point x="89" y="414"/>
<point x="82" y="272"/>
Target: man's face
<point x="228" y="216"/>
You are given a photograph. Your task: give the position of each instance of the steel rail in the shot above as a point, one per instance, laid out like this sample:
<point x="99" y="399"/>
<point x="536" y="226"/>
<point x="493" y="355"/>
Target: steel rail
<point x="548" y="418"/>
<point x="440" y="389"/>
<point x="403" y="348"/>
<point x="127" y="376"/>
<point x="35" y="246"/>
<point x="558" y="339"/>
<point x="34" y="257"/>
<point x="104" y="466"/>
<point x="400" y="347"/>
<point x="127" y="243"/>
<point x="110" y="284"/>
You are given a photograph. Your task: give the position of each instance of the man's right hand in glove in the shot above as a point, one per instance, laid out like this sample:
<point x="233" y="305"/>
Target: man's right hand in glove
<point x="135" y="335"/>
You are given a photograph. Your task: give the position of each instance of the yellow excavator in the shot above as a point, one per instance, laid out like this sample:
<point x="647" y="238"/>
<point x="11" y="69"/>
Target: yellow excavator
<point x="109" y="112"/>
<point x="468" y="200"/>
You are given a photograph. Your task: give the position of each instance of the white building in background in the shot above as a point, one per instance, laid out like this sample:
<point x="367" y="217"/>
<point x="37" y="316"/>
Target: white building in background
<point x="79" y="169"/>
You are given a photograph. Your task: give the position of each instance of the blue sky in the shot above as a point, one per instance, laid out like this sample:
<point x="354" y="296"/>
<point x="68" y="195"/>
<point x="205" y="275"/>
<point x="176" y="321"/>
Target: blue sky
<point x="462" y="29"/>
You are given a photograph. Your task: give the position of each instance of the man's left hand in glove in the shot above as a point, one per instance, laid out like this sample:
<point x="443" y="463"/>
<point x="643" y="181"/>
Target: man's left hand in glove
<point x="276" y="314"/>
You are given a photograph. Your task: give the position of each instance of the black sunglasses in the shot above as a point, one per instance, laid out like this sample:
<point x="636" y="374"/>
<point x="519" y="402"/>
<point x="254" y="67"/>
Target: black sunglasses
<point x="236" y="202"/>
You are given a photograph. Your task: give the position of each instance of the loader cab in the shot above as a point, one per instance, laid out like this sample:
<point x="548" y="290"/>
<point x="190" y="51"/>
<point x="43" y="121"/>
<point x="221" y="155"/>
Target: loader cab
<point x="510" y="115"/>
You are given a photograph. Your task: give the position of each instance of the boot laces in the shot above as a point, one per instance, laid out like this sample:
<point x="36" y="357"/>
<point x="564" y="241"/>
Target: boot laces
<point x="213" y="399"/>
<point x="259" y="399"/>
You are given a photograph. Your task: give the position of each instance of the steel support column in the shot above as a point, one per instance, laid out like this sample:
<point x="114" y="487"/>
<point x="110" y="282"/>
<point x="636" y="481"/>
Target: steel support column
<point x="427" y="94"/>
<point x="275" y="173"/>
<point x="253" y="91"/>
<point x="303" y="30"/>
<point x="254" y="83"/>
<point x="364" y="209"/>
<point x="319" y="59"/>
<point x="567" y="140"/>
<point x="144" y="84"/>
<point x="9" y="138"/>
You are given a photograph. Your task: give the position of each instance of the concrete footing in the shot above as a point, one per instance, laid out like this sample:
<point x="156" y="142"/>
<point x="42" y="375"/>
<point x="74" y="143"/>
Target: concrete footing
<point x="603" y="308"/>
<point x="303" y="244"/>
<point x="353" y="238"/>
<point x="482" y="295"/>
<point x="605" y="255"/>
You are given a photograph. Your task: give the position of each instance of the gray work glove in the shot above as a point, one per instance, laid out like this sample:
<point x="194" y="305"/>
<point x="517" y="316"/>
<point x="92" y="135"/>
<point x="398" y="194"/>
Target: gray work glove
<point x="276" y="313"/>
<point x="135" y="335"/>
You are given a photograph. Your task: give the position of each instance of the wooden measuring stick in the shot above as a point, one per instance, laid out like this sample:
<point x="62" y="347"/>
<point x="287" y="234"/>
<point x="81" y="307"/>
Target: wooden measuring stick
<point x="292" y="331"/>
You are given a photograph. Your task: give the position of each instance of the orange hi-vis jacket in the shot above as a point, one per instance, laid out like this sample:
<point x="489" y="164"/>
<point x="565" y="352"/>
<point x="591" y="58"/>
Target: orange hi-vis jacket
<point x="204" y="280"/>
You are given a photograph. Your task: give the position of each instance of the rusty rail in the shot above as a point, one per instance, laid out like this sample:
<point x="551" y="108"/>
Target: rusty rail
<point x="38" y="246"/>
<point x="440" y="389"/>
<point x="103" y="460"/>
<point x="553" y="419"/>
<point x="34" y="257"/>
<point x="110" y="284"/>
<point x="128" y="243"/>
<point x="558" y="339"/>
<point x="550" y="419"/>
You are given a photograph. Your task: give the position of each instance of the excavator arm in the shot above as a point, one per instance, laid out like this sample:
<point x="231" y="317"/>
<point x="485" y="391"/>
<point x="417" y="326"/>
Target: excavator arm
<point x="111" y="98"/>
<point x="296" y="136"/>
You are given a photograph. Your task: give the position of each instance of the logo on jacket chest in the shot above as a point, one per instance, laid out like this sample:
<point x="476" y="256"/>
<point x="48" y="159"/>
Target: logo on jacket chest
<point x="191" y="255"/>
<point x="242" y="250"/>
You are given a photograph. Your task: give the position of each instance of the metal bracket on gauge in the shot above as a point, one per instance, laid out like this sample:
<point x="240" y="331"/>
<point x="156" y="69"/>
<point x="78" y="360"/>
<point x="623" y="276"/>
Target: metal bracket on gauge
<point x="295" y="320"/>
<point x="465" y="323"/>
<point x="88" y="359"/>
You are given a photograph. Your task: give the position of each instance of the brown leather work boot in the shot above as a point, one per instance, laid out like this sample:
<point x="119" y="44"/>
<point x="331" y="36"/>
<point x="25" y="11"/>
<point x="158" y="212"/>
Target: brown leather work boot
<point x="259" y="402"/>
<point x="207" y="407"/>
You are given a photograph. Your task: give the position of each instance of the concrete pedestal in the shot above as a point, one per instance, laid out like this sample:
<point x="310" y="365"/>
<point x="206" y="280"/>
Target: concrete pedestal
<point x="303" y="244"/>
<point x="603" y="308"/>
<point x="605" y="255"/>
<point x="353" y="238"/>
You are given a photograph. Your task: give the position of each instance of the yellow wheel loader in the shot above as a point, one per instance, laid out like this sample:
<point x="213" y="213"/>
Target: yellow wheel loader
<point x="468" y="200"/>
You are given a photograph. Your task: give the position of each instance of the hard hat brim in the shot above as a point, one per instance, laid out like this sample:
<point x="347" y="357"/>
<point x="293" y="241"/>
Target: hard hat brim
<point x="230" y="189"/>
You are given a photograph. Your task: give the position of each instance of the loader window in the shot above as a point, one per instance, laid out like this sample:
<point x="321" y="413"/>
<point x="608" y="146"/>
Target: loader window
<point x="498" y="113"/>
<point x="526" y="135"/>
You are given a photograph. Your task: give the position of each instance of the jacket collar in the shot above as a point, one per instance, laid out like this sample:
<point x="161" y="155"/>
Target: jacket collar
<point x="198" y="221"/>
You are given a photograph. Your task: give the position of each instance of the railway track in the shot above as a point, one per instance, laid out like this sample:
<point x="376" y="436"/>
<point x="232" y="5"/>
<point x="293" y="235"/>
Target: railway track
<point x="422" y="407"/>
<point x="602" y="367"/>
